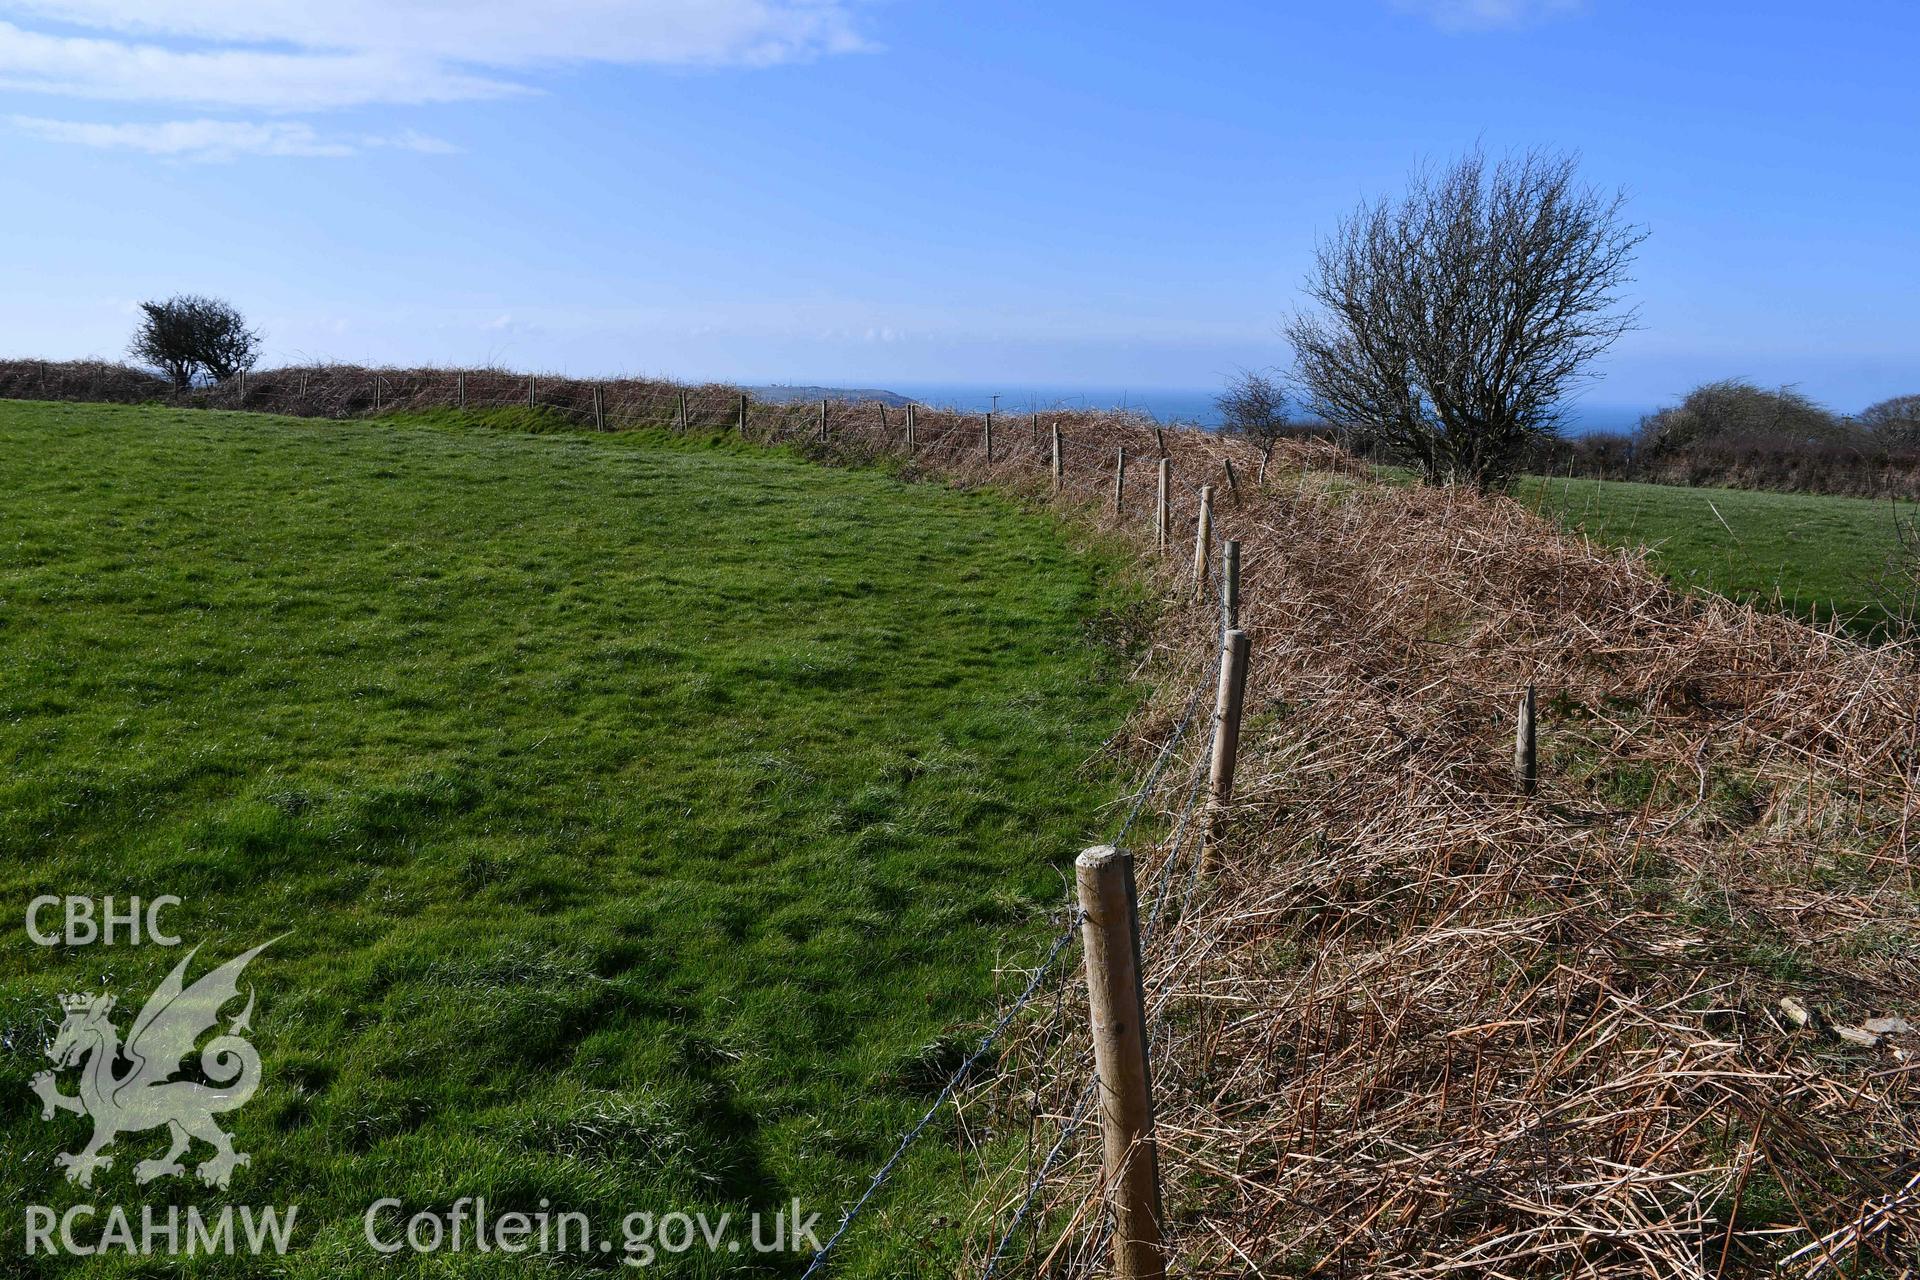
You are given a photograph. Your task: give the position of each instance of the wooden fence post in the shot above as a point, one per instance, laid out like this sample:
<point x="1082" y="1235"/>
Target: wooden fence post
<point x="459" y="389"/>
<point x="1203" y="539"/>
<point x="376" y="393"/>
<point x="243" y="386"/>
<point x="1059" y="462"/>
<point x="1526" y="767"/>
<point x="1229" y="700"/>
<point x="1161" y="438"/>
<point x="1229" y="585"/>
<point x="1119" y="478"/>
<point x="1260" y="482"/>
<point x="986" y="437"/>
<point x="529" y="391"/>
<point x="911" y="442"/>
<point x="823" y="422"/>
<point x="599" y="416"/>
<point x="1035" y="424"/>
<point x="684" y="423"/>
<point x="1110" y="931"/>
<point x="743" y="413"/>
<point x="303" y="386"/>
<point x="1233" y="485"/>
<point x="1162" y="509"/>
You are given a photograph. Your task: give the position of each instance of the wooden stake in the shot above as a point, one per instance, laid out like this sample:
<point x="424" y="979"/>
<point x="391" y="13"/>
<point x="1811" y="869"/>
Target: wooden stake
<point x="986" y="438"/>
<point x="1119" y="478"/>
<point x="1036" y="431"/>
<point x="1162" y="506"/>
<point x="599" y="417"/>
<point x="1160" y="436"/>
<point x="1229" y="585"/>
<point x="743" y="413"/>
<point x="1261" y="481"/>
<point x="823" y="422"/>
<point x="459" y="388"/>
<point x="1233" y="486"/>
<point x="910" y="440"/>
<point x="1526" y="765"/>
<point x="1059" y="462"/>
<point x="683" y="411"/>
<point x="1229" y="700"/>
<point x="243" y="386"/>
<point x="1203" y="540"/>
<point x="529" y="391"/>
<point x="1110" y="931"/>
<point x="376" y="393"/>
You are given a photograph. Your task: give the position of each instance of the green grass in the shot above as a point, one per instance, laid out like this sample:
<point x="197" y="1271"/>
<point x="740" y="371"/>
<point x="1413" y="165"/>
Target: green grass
<point x="1816" y="557"/>
<point x="646" y="817"/>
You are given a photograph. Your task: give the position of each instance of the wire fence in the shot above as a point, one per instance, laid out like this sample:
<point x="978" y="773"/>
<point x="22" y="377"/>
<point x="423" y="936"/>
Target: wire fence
<point x="1052" y="976"/>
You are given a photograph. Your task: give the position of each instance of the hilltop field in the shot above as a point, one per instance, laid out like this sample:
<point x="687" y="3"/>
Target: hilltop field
<point x="646" y="816"/>
<point x="1823" y="558"/>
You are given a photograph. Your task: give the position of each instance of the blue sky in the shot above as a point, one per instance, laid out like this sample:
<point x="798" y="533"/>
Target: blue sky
<point x="882" y="192"/>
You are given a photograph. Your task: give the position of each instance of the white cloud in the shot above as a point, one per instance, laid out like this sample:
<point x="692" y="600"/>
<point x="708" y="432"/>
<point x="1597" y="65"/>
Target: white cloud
<point x="218" y="139"/>
<point x="1484" y="15"/>
<point x="294" y="55"/>
<point x="86" y="67"/>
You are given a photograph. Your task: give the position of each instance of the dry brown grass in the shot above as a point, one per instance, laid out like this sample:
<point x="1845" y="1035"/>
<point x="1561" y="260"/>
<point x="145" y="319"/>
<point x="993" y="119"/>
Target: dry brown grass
<point x="1422" y="1026"/>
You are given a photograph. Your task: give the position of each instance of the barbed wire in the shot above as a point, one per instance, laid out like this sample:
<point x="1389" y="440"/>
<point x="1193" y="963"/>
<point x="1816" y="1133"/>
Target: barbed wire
<point x="1039" y="1179"/>
<point x="1172" y="858"/>
<point x="1166" y="753"/>
<point x="880" y="1178"/>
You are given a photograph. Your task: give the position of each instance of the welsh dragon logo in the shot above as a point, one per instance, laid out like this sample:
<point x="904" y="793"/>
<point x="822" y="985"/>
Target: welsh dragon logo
<point x="143" y="1094"/>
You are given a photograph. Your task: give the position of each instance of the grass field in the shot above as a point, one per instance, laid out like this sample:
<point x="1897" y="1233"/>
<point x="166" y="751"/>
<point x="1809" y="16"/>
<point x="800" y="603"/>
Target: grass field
<point x="1824" y="557"/>
<point x="646" y="818"/>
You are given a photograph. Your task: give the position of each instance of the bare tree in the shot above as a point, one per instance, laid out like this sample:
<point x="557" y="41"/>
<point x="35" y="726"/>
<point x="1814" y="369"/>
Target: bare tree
<point x="1895" y="421"/>
<point x="1453" y="321"/>
<point x="1254" y="405"/>
<point x="189" y="335"/>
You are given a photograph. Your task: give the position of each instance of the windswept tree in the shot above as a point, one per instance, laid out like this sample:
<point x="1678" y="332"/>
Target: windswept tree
<point x="188" y="336"/>
<point x="1254" y="405"/>
<point x="165" y="341"/>
<point x="1734" y="410"/>
<point x="1451" y="323"/>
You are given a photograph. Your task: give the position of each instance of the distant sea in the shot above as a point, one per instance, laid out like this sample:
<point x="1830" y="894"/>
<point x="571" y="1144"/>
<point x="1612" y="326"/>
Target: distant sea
<point x="1173" y="404"/>
<point x="1165" y="404"/>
